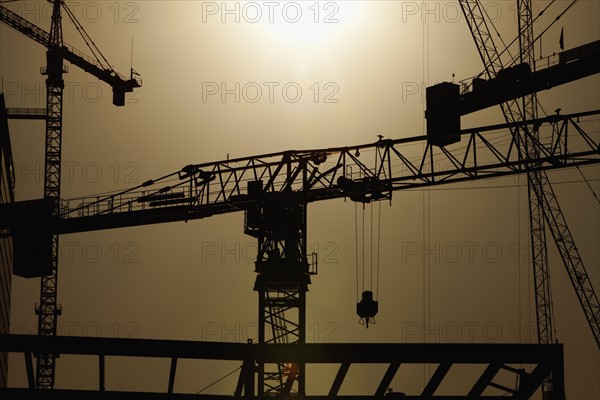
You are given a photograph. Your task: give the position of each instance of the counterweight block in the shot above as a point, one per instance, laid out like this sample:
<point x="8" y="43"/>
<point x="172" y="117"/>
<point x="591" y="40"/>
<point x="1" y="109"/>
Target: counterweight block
<point x="30" y="225"/>
<point x="442" y="114"/>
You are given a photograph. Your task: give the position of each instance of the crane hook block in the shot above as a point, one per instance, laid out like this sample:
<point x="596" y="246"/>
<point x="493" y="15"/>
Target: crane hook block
<point x="118" y="97"/>
<point x="367" y="308"/>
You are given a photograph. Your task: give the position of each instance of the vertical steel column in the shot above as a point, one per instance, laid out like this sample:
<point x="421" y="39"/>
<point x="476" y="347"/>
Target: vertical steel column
<point x="539" y="250"/>
<point x="282" y="283"/>
<point x="48" y="310"/>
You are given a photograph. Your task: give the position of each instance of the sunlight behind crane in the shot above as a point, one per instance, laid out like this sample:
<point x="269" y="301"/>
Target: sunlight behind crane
<point x="310" y="23"/>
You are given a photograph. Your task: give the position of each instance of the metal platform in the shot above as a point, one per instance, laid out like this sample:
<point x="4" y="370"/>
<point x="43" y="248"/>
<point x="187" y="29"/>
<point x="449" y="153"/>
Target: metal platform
<point x="545" y="360"/>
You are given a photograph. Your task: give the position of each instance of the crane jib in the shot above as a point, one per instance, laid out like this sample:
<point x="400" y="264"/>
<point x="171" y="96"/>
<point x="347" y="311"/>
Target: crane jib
<point x="210" y="189"/>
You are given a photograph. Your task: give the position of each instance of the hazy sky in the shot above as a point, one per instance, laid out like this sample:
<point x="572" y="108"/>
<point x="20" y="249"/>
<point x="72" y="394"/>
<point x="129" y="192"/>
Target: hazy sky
<point x="219" y="82"/>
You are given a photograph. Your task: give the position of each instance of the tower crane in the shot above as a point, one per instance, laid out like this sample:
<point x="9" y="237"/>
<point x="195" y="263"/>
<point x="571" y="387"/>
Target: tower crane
<point x="273" y="190"/>
<point x="544" y="209"/>
<point x="543" y="204"/>
<point x="57" y="52"/>
<point x="512" y="110"/>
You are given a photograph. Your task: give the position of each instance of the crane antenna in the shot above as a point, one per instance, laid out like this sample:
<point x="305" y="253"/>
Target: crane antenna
<point x="553" y="22"/>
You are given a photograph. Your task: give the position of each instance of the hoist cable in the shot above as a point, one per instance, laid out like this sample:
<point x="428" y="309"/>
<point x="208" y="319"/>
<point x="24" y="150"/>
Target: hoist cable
<point x="356" y="245"/>
<point x="363" y="247"/>
<point x="218" y="380"/>
<point x="588" y="184"/>
<point x="371" y="249"/>
<point x="378" y="251"/>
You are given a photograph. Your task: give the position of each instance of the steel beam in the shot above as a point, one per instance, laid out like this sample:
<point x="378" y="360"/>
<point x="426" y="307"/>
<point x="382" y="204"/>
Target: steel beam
<point x="546" y="360"/>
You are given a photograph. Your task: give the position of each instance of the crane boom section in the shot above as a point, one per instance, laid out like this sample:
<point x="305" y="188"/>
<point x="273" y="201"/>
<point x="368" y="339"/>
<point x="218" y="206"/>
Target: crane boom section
<point x="119" y="83"/>
<point x="519" y="80"/>
<point x="364" y="173"/>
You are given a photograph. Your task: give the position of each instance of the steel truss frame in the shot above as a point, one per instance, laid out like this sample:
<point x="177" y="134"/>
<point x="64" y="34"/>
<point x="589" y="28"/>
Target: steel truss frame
<point x="301" y="177"/>
<point x="543" y="204"/>
<point x="279" y="224"/>
<point x="373" y="172"/>
<point x="48" y="309"/>
<point x="545" y="359"/>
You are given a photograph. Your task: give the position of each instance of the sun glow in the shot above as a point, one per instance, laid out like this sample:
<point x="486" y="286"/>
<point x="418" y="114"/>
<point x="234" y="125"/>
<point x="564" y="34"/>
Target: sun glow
<point x="309" y="23"/>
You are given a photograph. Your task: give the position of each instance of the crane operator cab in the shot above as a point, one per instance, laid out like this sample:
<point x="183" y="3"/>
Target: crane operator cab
<point x="367" y="308"/>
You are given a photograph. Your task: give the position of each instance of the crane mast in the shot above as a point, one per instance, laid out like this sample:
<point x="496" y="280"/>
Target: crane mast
<point x="48" y="309"/>
<point x="278" y="222"/>
<point x="536" y="181"/>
